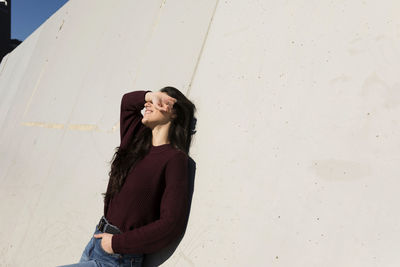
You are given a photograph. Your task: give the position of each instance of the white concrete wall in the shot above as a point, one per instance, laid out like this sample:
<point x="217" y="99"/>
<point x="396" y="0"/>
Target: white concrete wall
<point x="297" y="148"/>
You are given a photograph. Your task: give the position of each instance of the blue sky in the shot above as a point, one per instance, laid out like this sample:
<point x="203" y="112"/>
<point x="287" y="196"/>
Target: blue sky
<point x="28" y="15"/>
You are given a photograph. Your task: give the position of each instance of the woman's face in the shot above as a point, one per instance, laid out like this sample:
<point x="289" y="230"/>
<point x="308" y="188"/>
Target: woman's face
<point x="153" y="116"/>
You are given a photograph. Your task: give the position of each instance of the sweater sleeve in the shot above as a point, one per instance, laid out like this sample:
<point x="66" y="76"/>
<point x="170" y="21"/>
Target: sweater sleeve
<point x="130" y="120"/>
<point x="174" y="210"/>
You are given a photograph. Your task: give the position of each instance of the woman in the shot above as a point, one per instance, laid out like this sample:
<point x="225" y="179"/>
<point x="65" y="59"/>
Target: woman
<point x="146" y="204"/>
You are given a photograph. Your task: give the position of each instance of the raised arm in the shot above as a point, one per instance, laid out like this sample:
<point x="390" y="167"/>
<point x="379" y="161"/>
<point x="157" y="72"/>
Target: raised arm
<point x="130" y="122"/>
<point x="174" y="212"/>
<point x="130" y="119"/>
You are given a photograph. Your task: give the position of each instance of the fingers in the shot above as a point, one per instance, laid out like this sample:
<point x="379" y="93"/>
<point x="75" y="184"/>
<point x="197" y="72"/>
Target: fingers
<point x="162" y="108"/>
<point x="165" y="105"/>
<point x="163" y="102"/>
<point x="169" y="103"/>
<point x="159" y="106"/>
<point x="166" y="98"/>
<point x="172" y="100"/>
<point x="168" y="106"/>
<point x="100" y="235"/>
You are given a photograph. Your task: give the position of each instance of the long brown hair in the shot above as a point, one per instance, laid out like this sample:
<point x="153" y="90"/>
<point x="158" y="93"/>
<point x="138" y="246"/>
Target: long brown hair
<point x="180" y="136"/>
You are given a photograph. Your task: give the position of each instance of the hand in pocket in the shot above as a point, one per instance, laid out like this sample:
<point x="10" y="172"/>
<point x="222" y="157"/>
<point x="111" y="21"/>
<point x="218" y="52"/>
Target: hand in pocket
<point x="105" y="241"/>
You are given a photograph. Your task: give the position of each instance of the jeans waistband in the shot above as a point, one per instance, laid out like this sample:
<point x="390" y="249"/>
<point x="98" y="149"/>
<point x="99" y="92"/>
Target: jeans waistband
<point x="106" y="227"/>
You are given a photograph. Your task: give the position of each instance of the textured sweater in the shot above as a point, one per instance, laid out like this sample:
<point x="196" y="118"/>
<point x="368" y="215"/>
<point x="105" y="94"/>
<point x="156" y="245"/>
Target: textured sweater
<point x="152" y="207"/>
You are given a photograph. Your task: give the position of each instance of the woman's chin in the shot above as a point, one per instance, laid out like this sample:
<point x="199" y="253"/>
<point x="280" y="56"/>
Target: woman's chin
<point x="145" y="122"/>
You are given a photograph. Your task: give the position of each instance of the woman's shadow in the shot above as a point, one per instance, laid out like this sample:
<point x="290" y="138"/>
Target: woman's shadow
<point x="159" y="257"/>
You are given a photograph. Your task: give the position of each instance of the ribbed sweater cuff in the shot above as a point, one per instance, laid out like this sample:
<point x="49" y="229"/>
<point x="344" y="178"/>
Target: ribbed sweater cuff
<point x="116" y="243"/>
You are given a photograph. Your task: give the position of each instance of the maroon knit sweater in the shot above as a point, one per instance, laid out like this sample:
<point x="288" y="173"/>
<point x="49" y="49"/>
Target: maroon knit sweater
<point x="152" y="207"/>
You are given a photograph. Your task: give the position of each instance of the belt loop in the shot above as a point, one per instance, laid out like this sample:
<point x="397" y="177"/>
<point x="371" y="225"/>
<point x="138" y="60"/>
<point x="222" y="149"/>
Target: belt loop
<point x="101" y="224"/>
<point x="105" y="219"/>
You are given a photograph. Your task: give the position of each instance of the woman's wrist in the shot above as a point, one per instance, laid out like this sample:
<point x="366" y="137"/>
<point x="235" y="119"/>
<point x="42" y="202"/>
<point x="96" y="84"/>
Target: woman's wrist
<point x="148" y="96"/>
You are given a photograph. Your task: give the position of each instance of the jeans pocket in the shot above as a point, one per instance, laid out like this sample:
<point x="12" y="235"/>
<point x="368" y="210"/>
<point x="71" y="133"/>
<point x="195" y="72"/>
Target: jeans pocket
<point x="100" y="252"/>
<point x="102" y="249"/>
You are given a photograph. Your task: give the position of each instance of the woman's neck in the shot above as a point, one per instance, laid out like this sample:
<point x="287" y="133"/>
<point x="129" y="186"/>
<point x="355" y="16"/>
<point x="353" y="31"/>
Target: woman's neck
<point x="160" y="135"/>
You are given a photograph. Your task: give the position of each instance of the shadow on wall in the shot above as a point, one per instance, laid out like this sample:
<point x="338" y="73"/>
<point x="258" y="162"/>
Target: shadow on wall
<point x="158" y="258"/>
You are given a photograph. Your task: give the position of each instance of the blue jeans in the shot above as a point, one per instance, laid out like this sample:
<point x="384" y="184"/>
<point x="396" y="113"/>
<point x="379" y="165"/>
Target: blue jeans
<point x="95" y="256"/>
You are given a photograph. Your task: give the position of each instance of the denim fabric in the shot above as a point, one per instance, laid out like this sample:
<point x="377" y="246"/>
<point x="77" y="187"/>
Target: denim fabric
<point x="95" y="256"/>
